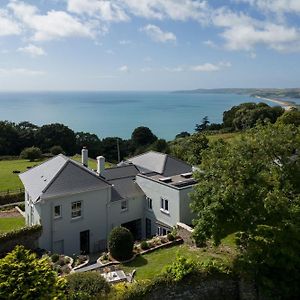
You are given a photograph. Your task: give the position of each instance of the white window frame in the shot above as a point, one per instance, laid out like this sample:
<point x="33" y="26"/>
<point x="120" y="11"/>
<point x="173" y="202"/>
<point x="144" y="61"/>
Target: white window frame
<point x="76" y="212"/>
<point x="58" y="216"/>
<point x="149" y="203"/>
<point x="124" y="207"/>
<point x="164" y="205"/>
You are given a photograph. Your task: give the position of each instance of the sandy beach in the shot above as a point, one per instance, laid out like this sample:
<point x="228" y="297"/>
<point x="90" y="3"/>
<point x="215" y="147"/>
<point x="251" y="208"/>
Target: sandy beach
<point x="285" y="104"/>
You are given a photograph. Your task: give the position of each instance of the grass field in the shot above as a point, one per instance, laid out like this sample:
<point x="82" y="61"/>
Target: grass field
<point x="8" y="224"/>
<point x="150" y="265"/>
<point x="8" y="180"/>
<point x="230" y="136"/>
<point x="11" y="181"/>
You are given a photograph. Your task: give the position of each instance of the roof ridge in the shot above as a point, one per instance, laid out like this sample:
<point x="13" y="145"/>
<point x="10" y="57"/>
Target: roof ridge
<point x="48" y="160"/>
<point x="149" y="151"/>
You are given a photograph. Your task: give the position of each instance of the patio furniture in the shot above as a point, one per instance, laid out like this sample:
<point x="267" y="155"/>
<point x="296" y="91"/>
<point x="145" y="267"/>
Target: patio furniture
<point x="115" y="276"/>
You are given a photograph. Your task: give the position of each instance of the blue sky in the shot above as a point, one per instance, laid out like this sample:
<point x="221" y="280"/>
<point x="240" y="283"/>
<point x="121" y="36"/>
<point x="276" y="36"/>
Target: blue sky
<point x="148" y="44"/>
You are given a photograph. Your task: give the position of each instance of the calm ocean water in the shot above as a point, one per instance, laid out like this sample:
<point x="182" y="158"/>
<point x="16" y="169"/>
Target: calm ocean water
<point x="118" y="113"/>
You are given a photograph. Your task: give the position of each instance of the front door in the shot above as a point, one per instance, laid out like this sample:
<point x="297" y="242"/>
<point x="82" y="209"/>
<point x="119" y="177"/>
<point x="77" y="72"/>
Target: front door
<point x="85" y="242"/>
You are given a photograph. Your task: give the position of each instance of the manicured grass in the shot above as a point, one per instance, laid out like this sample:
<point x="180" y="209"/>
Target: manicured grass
<point x="10" y="181"/>
<point x="150" y="265"/>
<point x="8" y="224"/>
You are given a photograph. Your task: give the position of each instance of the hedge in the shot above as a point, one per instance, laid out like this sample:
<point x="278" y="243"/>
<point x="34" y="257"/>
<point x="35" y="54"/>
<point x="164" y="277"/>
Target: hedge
<point x="11" y="198"/>
<point x="20" y="233"/>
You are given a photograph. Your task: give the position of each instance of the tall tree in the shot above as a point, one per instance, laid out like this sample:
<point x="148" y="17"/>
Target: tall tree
<point x="203" y="126"/>
<point x="252" y="186"/>
<point x="56" y="134"/>
<point x="9" y="143"/>
<point x="142" y="136"/>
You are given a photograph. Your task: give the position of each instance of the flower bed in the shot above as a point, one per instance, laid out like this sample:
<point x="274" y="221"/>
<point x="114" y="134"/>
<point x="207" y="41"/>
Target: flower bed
<point x="80" y="261"/>
<point x="62" y="264"/>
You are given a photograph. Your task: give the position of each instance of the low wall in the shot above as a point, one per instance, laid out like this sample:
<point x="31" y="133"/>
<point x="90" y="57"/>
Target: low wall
<point x="186" y="233"/>
<point x="207" y="289"/>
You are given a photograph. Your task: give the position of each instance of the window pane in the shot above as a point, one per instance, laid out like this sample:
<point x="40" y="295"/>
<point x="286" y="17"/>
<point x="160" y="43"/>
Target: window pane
<point x="57" y="211"/>
<point x="162" y="203"/>
<point x="166" y="205"/>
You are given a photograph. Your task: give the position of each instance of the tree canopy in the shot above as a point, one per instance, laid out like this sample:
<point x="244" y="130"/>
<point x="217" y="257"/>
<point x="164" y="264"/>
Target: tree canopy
<point x="252" y="186"/>
<point x="24" y="276"/>
<point x="142" y="136"/>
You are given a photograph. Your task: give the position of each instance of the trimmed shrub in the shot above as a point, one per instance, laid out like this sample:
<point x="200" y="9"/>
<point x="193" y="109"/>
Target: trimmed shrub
<point x="170" y="237"/>
<point x="179" y="269"/>
<point x="55" y="150"/>
<point x="88" y="285"/>
<point x="54" y="257"/>
<point x="14" y="234"/>
<point x="120" y="243"/>
<point x="31" y="153"/>
<point x="11" y="198"/>
<point x="144" y="245"/>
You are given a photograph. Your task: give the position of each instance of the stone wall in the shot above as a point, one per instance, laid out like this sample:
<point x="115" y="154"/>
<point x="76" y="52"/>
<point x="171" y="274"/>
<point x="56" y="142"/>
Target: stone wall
<point x="186" y="233"/>
<point x="210" y="289"/>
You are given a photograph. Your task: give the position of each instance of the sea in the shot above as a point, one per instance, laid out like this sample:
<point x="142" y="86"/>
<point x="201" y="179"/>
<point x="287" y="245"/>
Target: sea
<point x="119" y="113"/>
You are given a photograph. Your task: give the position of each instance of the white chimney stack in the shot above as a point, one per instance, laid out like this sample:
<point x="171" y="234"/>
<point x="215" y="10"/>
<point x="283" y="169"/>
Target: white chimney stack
<point x="100" y="164"/>
<point x="84" y="156"/>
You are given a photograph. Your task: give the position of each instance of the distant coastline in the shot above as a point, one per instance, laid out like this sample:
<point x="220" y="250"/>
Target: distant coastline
<point x="287" y="105"/>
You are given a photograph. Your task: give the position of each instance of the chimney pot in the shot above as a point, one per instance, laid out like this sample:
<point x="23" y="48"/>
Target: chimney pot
<point x="84" y="156"/>
<point x="100" y="164"/>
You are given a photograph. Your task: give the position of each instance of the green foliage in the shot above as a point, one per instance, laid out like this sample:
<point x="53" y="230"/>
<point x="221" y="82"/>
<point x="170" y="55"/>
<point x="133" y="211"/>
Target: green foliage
<point x="182" y="134"/>
<point x="179" y="269"/>
<point x="247" y="185"/>
<point x="247" y="115"/>
<point x="290" y="117"/>
<point x="142" y="136"/>
<point x="55" y="150"/>
<point x="22" y="232"/>
<point x="120" y="243"/>
<point x="203" y="126"/>
<point x="24" y="276"/>
<point x="160" y="145"/>
<point x="11" y="198"/>
<point x="170" y="237"/>
<point x="31" y="153"/>
<point x="88" y="285"/>
<point x="144" y="245"/>
<point x="54" y="257"/>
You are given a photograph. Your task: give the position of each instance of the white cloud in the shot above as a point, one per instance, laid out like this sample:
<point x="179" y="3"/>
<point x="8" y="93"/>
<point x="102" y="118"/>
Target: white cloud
<point x="174" y="70"/>
<point x="20" y="71"/>
<point x="102" y="9"/>
<point x="210" y="44"/>
<point x="157" y="35"/>
<point x="146" y="69"/>
<point x="209" y="67"/>
<point x="32" y="50"/>
<point x="109" y="51"/>
<point x="52" y="25"/>
<point x="7" y="25"/>
<point x="124" y="69"/>
<point x="242" y="32"/>
<point x="276" y="6"/>
<point x="168" y="9"/>
<point x="125" y="42"/>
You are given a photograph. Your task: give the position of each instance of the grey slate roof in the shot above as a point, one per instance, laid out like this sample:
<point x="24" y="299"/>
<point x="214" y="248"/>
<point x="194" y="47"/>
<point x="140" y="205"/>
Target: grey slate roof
<point x="160" y="163"/>
<point x="59" y="175"/>
<point x="124" y="188"/>
<point x="120" y="172"/>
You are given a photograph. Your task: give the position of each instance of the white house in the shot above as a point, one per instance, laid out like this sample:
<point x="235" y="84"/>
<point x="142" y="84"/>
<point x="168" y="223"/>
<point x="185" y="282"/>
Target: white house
<point x="78" y="207"/>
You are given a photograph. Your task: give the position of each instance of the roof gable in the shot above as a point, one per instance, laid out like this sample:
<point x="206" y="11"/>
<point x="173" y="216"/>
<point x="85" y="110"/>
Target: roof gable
<point x="74" y="179"/>
<point x="38" y="178"/>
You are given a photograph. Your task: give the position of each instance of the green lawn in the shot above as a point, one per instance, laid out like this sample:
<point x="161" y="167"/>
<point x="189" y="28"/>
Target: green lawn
<point x="92" y="162"/>
<point x="150" y="265"/>
<point x="8" y="224"/>
<point x="8" y="180"/>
